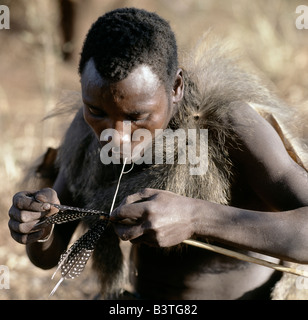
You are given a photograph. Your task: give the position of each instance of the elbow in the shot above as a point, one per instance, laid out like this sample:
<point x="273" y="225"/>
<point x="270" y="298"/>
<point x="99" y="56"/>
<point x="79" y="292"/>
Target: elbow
<point x="297" y="246"/>
<point x="298" y="258"/>
<point x="293" y="241"/>
<point x="299" y="254"/>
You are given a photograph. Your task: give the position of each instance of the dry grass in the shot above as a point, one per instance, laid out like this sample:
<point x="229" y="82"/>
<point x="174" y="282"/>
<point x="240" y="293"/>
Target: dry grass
<point x="32" y="76"/>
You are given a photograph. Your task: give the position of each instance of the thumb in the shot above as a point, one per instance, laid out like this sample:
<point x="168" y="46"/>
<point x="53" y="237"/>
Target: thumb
<point x="128" y="214"/>
<point x="47" y="197"/>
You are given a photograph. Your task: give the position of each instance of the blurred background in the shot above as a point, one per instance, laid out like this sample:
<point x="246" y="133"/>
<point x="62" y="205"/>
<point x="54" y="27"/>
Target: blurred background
<point x="38" y="66"/>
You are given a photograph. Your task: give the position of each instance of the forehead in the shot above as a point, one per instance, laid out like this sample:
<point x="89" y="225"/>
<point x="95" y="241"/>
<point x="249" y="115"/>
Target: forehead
<point x="141" y="82"/>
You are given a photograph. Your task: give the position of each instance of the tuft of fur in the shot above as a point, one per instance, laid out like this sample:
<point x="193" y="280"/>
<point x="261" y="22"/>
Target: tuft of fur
<point x="291" y="287"/>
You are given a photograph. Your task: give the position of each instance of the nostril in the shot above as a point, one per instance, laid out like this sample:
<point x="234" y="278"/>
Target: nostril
<point x="116" y="149"/>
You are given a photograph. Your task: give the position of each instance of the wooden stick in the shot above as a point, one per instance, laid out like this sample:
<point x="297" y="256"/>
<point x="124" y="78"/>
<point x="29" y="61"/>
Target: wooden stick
<point x="244" y="257"/>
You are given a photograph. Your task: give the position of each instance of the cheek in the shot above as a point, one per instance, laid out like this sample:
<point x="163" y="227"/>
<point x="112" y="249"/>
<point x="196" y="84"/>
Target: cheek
<point x="160" y="120"/>
<point x="146" y="132"/>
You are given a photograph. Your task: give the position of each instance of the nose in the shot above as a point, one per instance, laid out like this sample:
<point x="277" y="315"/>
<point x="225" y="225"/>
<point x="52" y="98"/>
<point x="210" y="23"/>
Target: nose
<point x="120" y="135"/>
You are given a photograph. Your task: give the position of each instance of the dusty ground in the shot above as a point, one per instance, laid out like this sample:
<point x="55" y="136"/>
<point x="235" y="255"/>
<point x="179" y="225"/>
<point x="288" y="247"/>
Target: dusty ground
<point x="32" y="77"/>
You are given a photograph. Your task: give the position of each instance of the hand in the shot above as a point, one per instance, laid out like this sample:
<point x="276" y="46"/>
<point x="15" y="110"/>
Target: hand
<point x="27" y="210"/>
<point x="156" y="217"/>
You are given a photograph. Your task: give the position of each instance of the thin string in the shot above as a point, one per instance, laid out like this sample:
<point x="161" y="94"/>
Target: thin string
<point x="119" y="181"/>
<point x="128" y="171"/>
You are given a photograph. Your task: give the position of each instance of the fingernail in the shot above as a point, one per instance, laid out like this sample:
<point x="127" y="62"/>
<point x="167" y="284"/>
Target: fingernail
<point x="46" y="206"/>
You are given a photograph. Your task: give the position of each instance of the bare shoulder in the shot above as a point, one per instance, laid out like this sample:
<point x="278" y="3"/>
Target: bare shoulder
<point x="254" y="134"/>
<point x="243" y="117"/>
<point x="264" y="161"/>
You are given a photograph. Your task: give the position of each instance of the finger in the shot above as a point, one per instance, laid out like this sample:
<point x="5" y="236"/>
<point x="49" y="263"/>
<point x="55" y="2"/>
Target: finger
<point x="143" y="195"/>
<point x="151" y="238"/>
<point x="26" y="201"/>
<point x="47" y="195"/>
<point x="128" y="232"/>
<point x="27" y="238"/>
<point x="25" y="216"/>
<point x="23" y="228"/>
<point x="145" y="239"/>
<point x="129" y="214"/>
<point x="41" y="224"/>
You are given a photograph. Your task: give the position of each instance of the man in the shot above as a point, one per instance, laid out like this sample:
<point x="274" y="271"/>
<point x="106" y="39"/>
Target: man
<point x="253" y="196"/>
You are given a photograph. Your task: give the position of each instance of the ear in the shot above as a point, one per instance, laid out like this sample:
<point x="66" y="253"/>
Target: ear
<point x="178" y="87"/>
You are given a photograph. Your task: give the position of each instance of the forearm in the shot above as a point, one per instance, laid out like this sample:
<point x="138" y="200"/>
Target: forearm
<point x="46" y="255"/>
<point x="278" y="234"/>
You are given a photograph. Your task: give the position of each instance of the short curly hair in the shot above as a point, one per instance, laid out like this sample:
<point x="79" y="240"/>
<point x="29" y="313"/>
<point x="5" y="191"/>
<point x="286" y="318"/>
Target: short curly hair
<point x="128" y="37"/>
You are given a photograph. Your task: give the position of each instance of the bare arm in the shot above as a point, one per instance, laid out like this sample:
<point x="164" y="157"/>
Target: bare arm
<point x="278" y="181"/>
<point x="165" y="219"/>
<point x="263" y="160"/>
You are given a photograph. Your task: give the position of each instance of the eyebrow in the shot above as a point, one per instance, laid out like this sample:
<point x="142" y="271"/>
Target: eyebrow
<point x="88" y="103"/>
<point x="135" y="112"/>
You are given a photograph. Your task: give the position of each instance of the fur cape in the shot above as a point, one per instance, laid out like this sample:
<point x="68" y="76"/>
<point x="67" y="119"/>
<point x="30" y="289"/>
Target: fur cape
<point x="213" y="79"/>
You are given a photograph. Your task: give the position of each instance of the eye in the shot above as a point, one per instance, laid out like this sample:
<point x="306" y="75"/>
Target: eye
<point x="97" y="112"/>
<point x="137" y="117"/>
